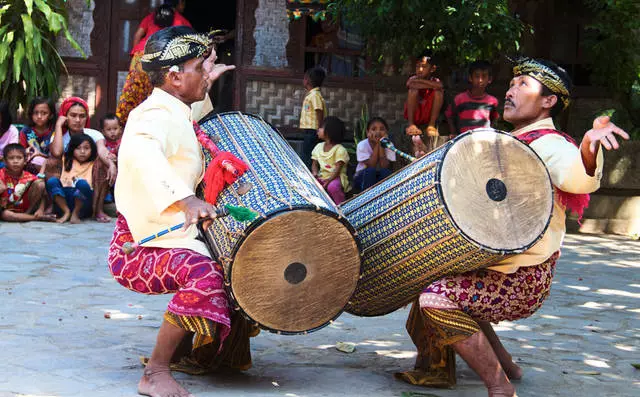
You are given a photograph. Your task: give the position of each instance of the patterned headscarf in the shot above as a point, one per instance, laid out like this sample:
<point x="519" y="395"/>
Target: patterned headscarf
<point x="548" y="74"/>
<point x="72" y="101"/>
<point x="173" y="46"/>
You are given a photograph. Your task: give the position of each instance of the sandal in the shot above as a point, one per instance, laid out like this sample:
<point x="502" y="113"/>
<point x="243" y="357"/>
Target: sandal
<point x="103" y="218"/>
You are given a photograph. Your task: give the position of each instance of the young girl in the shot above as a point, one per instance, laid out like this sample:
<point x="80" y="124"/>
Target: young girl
<point x="72" y="192"/>
<point x="8" y="133"/>
<point x="330" y="159"/>
<point x="36" y="137"/>
<point x="373" y="159"/>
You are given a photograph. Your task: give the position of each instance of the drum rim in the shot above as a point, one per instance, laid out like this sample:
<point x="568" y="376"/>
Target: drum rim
<point x="259" y="222"/>
<point x="446" y="209"/>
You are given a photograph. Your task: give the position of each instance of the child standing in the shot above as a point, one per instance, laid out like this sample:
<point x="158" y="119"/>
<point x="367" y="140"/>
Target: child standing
<point x="373" y="159"/>
<point x="474" y="108"/>
<point x="330" y="159"/>
<point x="72" y="192"/>
<point x="314" y="110"/>
<point x="8" y="133"/>
<point x="21" y="193"/>
<point x="112" y="131"/>
<point x="36" y="137"/>
<point x="424" y="102"/>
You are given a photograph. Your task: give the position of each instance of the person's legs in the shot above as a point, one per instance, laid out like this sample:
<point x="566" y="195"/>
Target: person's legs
<point x="513" y="371"/>
<point x="366" y="178"/>
<point x="334" y="188"/>
<point x="100" y="184"/>
<point x="157" y="380"/>
<point x="310" y="140"/>
<point x="84" y="197"/>
<point x="383" y="173"/>
<point x="58" y="194"/>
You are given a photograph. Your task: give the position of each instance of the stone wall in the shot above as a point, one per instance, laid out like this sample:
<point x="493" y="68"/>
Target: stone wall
<point x="81" y="24"/>
<point x="271" y="34"/>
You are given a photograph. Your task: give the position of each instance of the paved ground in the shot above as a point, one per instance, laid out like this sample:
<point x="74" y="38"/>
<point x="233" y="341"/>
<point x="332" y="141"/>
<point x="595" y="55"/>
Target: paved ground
<point x="55" y="341"/>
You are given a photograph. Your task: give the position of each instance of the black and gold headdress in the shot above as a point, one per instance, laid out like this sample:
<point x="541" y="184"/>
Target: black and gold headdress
<point x="181" y="44"/>
<point x="546" y="74"/>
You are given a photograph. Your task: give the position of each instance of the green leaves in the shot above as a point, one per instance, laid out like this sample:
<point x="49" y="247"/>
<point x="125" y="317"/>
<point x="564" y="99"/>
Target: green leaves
<point x="29" y="62"/>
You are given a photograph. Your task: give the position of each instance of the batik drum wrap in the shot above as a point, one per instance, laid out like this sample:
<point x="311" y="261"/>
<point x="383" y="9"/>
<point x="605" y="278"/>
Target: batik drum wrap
<point x="293" y="269"/>
<point x="476" y="200"/>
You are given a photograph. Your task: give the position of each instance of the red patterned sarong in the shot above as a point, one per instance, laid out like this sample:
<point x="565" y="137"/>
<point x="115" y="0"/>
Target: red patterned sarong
<point x="200" y="304"/>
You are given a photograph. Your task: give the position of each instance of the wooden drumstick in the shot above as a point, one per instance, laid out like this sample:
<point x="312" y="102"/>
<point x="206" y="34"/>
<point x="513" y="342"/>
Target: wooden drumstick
<point x="241" y="214"/>
<point x="387" y="144"/>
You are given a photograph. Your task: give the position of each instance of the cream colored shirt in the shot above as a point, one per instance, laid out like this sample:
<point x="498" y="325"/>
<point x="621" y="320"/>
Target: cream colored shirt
<point x="565" y="166"/>
<point x="160" y="162"/>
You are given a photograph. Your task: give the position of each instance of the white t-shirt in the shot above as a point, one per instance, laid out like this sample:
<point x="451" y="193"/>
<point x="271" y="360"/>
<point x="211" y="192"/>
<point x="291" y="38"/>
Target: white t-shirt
<point x="364" y="151"/>
<point x="94" y="134"/>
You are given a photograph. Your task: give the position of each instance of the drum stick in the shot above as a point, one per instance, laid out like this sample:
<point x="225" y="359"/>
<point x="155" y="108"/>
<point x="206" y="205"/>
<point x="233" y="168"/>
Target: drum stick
<point x="240" y="214"/>
<point x="387" y="144"/>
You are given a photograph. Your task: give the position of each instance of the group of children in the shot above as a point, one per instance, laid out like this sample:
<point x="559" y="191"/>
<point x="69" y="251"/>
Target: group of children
<point x="329" y="159"/>
<point x="50" y="169"/>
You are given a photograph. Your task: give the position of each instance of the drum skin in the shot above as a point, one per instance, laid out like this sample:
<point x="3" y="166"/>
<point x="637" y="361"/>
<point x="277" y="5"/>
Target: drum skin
<point x="476" y="200"/>
<point x="293" y="269"/>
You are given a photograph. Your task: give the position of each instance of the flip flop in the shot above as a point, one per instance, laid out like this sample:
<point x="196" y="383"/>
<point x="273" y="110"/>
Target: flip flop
<point x="103" y="218"/>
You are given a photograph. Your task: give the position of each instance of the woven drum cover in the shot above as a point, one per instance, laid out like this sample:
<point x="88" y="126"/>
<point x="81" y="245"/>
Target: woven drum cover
<point x="452" y="211"/>
<point x="495" y="189"/>
<point x="296" y="271"/>
<point x="281" y="264"/>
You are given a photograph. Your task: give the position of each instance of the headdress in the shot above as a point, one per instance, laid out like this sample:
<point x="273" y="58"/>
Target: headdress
<point x="173" y="46"/>
<point x="547" y="73"/>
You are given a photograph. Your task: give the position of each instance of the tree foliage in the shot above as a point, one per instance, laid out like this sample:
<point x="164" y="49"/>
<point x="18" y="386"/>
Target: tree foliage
<point x="457" y="30"/>
<point x="29" y="62"/>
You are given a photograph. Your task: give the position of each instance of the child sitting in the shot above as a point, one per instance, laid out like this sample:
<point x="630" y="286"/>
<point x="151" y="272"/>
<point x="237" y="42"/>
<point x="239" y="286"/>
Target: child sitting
<point x="8" y="133"/>
<point x="313" y="111"/>
<point x="424" y="101"/>
<point x="72" y="193"/>
<point x="330" y="159"/>
<point x="21" y="193"/>
<point x="373" y="159"/>
<point x="473" y="108"/>
<point x="36" y="137"/>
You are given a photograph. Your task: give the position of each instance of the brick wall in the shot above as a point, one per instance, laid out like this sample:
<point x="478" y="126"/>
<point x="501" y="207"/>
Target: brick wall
<point x="271" y="34"/>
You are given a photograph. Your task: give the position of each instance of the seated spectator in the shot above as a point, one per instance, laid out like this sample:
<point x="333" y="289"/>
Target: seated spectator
<point x="21" y="193"/>
<point x="36" y="136"/>
<point x="373" y="160"/>
<point x="73" y="119"/>
<point x="330" y="159"/>
<point x="112" y="131"/>
<point x="8" y="133"/>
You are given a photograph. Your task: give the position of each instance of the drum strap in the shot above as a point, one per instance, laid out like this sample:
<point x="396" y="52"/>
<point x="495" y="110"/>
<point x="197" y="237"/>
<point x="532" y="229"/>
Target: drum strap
<point x="576" y="203"/>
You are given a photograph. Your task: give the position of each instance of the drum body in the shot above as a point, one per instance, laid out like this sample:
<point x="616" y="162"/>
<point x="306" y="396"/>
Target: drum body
<point x="474" y="201"/>
<point x="293" y="269"/>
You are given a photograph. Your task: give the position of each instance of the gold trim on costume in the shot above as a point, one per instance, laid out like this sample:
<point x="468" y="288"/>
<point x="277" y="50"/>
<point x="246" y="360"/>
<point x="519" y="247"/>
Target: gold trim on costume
<point x="545" y="75"/>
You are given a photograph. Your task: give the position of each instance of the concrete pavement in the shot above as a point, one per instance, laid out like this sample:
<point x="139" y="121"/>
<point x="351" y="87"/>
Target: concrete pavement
<point x="55" y="340"/>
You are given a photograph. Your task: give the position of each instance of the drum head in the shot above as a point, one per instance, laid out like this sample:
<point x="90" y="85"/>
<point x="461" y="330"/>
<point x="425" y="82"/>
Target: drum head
<point x="296" y="271"/>
<point x="497" y="190"/>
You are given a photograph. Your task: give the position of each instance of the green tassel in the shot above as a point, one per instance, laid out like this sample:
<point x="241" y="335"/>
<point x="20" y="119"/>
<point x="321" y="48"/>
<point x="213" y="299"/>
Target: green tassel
<point x="241" y="214"/>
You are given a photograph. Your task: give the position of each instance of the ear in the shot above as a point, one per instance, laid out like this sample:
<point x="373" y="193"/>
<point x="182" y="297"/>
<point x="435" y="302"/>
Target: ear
<point x="174" y="78"/>
<point x="549" y="101"/>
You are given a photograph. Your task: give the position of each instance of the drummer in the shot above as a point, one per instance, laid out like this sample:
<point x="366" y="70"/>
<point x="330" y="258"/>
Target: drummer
<point x="455" y="313"/>
<point x="161" y="164"/>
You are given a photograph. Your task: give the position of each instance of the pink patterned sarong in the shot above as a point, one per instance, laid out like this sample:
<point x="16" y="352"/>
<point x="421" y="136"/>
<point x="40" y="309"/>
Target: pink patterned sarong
<point x="200" y="302"/>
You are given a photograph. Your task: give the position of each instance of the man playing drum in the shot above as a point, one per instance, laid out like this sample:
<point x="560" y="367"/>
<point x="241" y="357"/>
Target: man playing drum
<point x="455" y="313"/>
<point x="161" y="164"/>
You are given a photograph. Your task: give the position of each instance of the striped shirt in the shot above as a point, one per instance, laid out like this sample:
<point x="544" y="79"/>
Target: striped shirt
<point x="470" y="112"/>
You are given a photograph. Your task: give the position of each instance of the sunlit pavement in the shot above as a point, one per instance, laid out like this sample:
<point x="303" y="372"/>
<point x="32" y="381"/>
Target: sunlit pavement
<point x="56" y="341"/>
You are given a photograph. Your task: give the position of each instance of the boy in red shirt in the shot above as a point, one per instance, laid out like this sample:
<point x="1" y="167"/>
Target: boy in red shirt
<point x="473" y="108"/>
<point x="424" y="101"/>
<point x="21" y="193"/>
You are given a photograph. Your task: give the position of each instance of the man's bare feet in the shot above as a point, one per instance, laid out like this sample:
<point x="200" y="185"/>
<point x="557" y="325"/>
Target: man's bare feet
<point x="413" y="130"/>
<point x="158" y="382"/>
<point x="102" y="217"/>
<point x="506" y="390"/>
<point x="513" y="371"/>
<point x="65" y="217"/>
<point x="75" y="219"/>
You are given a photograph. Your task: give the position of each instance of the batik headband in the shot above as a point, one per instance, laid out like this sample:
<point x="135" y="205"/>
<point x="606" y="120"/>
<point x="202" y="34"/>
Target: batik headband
<point x="177" y="51"/>
<point x="545" y="75"/>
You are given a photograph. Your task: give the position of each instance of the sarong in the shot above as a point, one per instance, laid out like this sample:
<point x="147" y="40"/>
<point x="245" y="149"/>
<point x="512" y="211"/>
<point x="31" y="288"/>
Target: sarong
<point x="447" y="311"/>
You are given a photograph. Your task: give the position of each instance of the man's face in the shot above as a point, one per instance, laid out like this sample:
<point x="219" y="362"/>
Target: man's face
<point x="15" y="161"/>
<point x="76" y="118"/>
<point x="193" y="81"/>
<point x="524" y="101"/>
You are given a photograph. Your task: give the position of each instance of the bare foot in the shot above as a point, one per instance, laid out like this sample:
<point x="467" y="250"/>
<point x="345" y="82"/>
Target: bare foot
<point x="65" y="217"/>
<point x="158" y="382"/>
<point x="513" y="371"/>
<point x="506" y="390"/>
<point x="45" y="217"/>
<point x="102" y="217"/>
<point x="75" y="219"/>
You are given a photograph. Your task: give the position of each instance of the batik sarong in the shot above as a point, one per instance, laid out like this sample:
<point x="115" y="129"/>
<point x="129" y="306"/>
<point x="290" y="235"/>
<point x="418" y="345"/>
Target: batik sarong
<point x="447" y="311"/>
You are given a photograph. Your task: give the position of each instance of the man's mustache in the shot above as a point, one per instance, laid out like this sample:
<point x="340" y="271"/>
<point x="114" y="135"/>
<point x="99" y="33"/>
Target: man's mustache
<point x="509" y="101"/>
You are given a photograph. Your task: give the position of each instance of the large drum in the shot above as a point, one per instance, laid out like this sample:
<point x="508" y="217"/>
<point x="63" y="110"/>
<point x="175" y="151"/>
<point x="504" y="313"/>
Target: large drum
<point x="472" y="202"/>
<point x="293" y="269"/>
